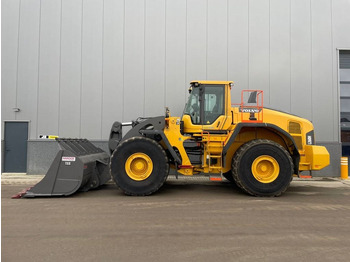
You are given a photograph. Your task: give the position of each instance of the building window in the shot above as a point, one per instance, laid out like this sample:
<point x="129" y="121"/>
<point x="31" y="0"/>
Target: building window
<point x="344" y="73"/>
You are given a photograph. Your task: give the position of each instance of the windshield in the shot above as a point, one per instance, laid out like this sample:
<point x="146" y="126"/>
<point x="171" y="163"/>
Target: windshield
<point x="193" y="107"/>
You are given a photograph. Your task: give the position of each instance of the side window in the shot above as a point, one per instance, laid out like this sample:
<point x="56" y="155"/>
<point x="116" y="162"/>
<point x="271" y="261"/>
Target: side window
<point x="214" y="104"/>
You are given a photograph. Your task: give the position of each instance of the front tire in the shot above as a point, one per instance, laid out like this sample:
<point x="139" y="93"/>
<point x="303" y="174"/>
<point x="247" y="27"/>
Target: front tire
<point x="262" y="168"/>
<point x="139" y="166"/>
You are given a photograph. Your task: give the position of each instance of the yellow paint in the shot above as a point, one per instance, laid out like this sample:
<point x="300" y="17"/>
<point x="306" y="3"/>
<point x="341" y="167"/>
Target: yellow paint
<point x="139" y="166"/>
<point x="344" y="168"/>
<point x="210" y="82"/>
<point x="311" y="157"/>
<point x="316" y="158"/>
<point x="173" y="134"/>
<point x="265" y="169"/>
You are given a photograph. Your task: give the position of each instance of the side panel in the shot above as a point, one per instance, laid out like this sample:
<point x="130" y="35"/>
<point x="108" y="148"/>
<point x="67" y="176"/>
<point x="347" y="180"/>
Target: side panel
<point x="238" y="47"/>
<point x="322" y="84"/>
<point x="154" y="57"/>
<point x="217" y="40"/>
<point x="10" y="11"/>
<point x="49" y="67"/>
<point x="134" y="64"/>
<point x="175" y="47"/>
<point x="280" y="58"/>
<point x="28" y="63"/>
<point x="113" y="64"/>
<point x="301" y="81"/>
<point x="91" y="86"/>
<point x="196" y="49"/>
<point x="70" y="69"/>
<point x="259" y="47"/>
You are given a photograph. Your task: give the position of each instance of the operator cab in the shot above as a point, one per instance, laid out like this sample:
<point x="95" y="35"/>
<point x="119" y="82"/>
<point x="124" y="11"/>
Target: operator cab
<point x="207" y="105"/>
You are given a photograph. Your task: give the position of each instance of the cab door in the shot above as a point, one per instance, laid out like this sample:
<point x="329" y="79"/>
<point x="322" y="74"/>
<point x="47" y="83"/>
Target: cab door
<point x="205" y="109"/>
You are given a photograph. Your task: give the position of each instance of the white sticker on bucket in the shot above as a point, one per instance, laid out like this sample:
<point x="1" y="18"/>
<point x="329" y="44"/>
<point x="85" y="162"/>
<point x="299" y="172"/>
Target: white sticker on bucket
<point x="68" y="158"/>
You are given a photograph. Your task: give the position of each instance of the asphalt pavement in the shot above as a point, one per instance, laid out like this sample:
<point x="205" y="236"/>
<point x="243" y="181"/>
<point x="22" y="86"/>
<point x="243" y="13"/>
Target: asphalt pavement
<point x="187" y="220"/>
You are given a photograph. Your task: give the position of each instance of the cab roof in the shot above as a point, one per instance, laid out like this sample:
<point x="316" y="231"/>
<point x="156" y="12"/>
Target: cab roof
<point x="206" y="82"/>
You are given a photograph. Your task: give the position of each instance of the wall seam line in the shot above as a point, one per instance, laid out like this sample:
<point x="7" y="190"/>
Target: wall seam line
<point x="311" y="58"/>
<point x="165" y="57"/>
<point x="144" y="58"/>
<point x="81" y="63"/>
<point x="335" y="136"/>
<point x="206" y="41"/>
<point x="60" y="73"/>
<point x="186" y="29"/>
<point x="38" y="79"/>
<point x="18" y="42"/>
<point x="123" y="87"/>
<point x="102" y="75"/>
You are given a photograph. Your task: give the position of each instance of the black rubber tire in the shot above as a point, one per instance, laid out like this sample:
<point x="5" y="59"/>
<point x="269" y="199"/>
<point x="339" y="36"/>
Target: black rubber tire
<point x="242" y="168"/>
<point x="160" y="166"/>
<point x="228" y="176"/>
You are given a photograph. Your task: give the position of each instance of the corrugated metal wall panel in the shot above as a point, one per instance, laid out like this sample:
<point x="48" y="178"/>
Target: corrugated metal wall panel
<point x="28" y="63"/>
<point x="301" y="70"/>
<point x="91" y="86"/>
<point x="280" y="54"/>
<point x="322" y="82"/>
<point x="113" y="64"/>
<point x="134" y="59"/>
<point x="70" y="69"/>
<point x="238" y="47"/>
<point x="176" y="51"/>
<point x="80" y="65"/>
<point x="196" y="48"/>
<point x="217" y="40"/>
<point x="49" y="67"/>
<point x="10" y="13"/>
<point x="154" y="58"/>
<point x="259" y="47"/>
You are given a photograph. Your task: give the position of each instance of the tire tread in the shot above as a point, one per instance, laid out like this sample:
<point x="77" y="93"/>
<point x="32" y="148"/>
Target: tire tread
<point x="124" y="144"/>
<point x="238" y="156"/>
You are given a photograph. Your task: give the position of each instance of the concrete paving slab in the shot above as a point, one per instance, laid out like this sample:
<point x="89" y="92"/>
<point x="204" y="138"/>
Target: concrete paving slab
<point x="186" y="220"/>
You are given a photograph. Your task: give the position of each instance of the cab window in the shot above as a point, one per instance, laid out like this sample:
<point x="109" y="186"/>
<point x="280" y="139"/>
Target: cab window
<point x="213" y="103"/>
<point x="205" y="104"/>
<point x="193" y="107"/>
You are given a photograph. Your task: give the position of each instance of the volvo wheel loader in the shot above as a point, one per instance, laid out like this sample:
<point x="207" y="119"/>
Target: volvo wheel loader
<point x="257" y="148"/>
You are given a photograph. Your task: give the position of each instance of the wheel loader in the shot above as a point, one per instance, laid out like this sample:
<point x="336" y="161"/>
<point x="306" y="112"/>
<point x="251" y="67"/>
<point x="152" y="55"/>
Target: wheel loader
<point x="257" y="148"/>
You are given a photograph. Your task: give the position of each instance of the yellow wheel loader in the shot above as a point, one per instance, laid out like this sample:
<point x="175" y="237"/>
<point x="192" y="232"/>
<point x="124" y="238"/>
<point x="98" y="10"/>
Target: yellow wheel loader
<point x="257" y="148"/>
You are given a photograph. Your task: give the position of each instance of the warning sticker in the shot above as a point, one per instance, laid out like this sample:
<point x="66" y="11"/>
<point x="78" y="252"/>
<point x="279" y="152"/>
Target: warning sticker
<point x="68" y="158"/>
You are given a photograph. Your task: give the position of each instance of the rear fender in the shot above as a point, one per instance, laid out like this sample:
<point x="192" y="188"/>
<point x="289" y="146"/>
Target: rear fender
<point x="295" y="153"/>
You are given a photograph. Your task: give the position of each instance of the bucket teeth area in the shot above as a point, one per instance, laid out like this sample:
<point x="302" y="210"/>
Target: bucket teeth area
<point x="78" y="166"/>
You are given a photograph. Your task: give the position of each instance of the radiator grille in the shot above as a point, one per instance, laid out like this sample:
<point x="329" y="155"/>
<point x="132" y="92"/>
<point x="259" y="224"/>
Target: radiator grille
<point x="294" y="128"/>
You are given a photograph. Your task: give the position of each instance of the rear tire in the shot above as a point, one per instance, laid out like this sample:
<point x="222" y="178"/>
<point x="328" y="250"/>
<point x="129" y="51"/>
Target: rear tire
<point x="139" y="166"/>
<point x="262" y="168"/>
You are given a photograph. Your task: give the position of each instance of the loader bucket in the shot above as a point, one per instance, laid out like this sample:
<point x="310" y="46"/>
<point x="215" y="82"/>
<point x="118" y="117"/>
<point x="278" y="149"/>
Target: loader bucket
<point x="79" y="165"/>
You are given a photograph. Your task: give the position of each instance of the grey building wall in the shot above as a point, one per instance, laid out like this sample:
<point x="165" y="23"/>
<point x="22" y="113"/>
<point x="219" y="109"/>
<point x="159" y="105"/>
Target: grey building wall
<point x="75" y="66"/>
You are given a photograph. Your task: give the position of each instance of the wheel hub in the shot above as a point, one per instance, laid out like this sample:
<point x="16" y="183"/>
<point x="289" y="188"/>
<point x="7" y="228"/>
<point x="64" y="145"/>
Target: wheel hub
<point x="139" y="166"/>
<point x="265" y="169"/>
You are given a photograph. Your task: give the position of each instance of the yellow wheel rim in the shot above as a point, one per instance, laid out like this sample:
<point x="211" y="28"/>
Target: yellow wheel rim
<point x="265" y="169"/>
<point x="139" y="166"/>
